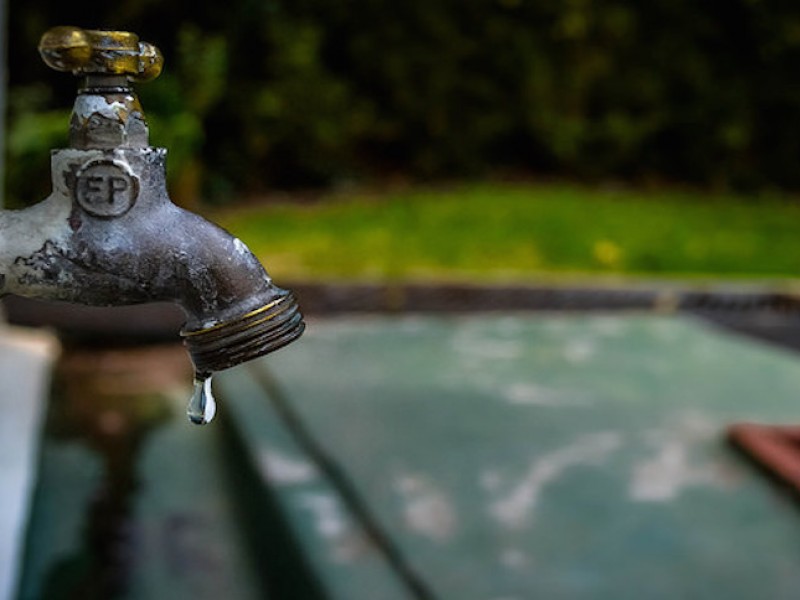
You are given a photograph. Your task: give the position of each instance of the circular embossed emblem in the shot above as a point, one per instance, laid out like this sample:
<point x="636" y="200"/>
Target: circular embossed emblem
<point x="106" y="188"/>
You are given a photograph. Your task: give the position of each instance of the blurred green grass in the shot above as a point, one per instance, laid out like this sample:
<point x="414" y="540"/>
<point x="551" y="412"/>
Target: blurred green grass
<point x="517" y="232"/>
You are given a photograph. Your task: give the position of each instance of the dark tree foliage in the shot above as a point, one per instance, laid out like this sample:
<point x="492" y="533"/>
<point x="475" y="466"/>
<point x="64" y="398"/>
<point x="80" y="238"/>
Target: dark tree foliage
<point x="259" y="93"/>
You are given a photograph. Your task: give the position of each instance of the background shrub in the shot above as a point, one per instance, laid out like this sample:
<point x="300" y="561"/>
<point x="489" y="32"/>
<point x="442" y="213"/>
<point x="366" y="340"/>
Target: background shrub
<point x="311" y="92"/>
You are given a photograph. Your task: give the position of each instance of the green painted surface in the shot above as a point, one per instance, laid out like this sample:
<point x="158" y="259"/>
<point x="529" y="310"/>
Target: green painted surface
<point x="335" y="558"/>
<point x="549" y="456"/>
<point x="135" y="509"/>
<point x="68" y="474"/>
<point x="189" y="543"/>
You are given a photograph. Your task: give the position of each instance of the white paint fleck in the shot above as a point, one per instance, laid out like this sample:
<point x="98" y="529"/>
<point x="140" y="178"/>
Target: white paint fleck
<point x="515" y="509"/>
<point x="536" y="395"/>
<point x="426" y="510"/>
<point x="87" y="105"/>
<point x="347" y="542"/>
<point x="666" y="473"/>
<point x="327" y="512"/>
<point x="282" y="469"/>
<point x="240" y="246"/>
<point x="578" y="351"/>
<point x="25" y="232"/>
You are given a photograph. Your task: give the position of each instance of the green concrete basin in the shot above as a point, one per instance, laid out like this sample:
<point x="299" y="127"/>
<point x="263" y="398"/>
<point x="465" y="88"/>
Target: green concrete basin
<point x="473" y="457"/>
<point x="536" y="456"/>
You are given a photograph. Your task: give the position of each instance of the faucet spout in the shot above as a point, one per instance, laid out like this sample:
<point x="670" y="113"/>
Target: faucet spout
<point x="109" y="235"/>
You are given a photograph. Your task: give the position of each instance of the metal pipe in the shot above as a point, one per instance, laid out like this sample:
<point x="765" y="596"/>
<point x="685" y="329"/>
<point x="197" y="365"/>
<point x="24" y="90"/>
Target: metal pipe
<point x="109" y="235"/>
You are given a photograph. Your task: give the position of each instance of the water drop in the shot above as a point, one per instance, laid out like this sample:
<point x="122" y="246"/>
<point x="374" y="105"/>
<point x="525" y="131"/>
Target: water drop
<point x="202" y="407"/>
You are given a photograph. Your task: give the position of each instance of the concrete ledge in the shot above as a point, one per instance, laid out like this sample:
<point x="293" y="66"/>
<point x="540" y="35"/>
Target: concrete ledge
<point x="26" y="358"/>
<point x="768" y="311"/>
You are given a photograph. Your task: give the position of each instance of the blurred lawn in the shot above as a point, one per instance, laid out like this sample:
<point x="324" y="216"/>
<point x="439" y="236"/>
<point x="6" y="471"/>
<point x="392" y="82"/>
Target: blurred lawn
<point x="516" y="232"/>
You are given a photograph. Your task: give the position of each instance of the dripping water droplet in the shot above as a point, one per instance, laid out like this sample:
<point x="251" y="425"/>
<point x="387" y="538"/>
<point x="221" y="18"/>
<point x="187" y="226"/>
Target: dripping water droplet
<point x="202" y="407"/>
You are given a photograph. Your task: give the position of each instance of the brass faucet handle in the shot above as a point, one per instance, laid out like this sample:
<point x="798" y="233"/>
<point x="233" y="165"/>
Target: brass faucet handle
<point x="100" y="52"/>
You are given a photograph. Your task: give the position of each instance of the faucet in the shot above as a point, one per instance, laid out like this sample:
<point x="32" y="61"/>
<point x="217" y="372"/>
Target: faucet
<point x="108" y="234"/>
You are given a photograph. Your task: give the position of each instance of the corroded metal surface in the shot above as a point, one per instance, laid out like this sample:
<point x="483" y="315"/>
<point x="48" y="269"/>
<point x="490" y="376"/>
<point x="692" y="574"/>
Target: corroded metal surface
<point x="85" y="51"/>
<point x="271" y="326"/>
<point x="109" y="235"/>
